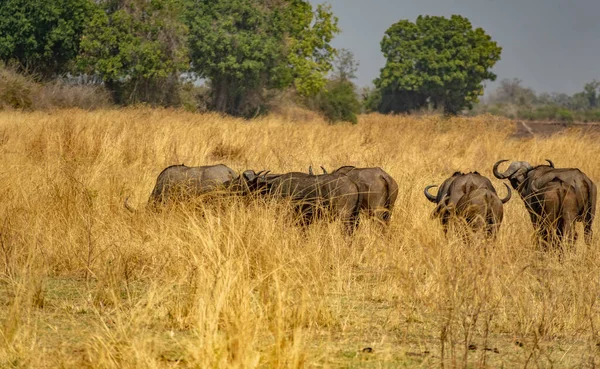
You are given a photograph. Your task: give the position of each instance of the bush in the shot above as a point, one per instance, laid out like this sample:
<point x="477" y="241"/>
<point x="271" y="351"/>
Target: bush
<point x="565" y="115"/>
<point x="22" y="92"/>
<point x="16" y="90"/>
<point x="526" y="114"/>
<point x="338" y="102"/>
<point x="58" y="94"/>
<point x="592" y="115"/>
<point x="194" y="98"/>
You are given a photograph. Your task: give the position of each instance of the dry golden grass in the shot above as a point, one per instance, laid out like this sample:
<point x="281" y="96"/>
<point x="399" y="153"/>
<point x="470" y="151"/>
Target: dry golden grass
<point x="84" y="283"/>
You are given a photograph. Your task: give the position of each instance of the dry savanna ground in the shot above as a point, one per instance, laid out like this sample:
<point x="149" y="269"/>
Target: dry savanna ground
<point x="233" y="283"/>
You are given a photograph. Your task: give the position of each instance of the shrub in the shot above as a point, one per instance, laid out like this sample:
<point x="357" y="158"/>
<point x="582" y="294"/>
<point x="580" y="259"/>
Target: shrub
<point x="16" y="90"/>
<point x="565" y="115"/>
<point x="338" y="102"/>
<point x="58" y="94"/>
<point x="526" y="114"/>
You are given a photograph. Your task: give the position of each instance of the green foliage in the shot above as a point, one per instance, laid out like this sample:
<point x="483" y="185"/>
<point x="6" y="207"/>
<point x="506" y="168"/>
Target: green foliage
<point x="310" y="55"/>
<point x="338" y="102"/>
<point x="515" y="101"/>
<point x="564" y="115"/>
<point x="437" y="60"/>
<point x="245" y="47"/>
<point x="371" y="99"/>
<point x="42" y="36"/>
<point x="138" y="49"/>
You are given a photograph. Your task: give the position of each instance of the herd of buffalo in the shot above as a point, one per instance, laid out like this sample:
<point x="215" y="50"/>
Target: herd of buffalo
<point x="555" y="198"/>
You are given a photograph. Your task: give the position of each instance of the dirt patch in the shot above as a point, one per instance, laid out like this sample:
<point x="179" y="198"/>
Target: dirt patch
<point x="526" y="129"/>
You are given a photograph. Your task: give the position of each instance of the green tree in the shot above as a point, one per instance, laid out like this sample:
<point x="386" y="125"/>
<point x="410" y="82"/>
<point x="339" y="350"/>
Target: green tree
<point x="435" y="60"/>
<point x="339" y="101"/>
<point x="42" y="37"/>
<point x="138" y="48"/>
<point x="246" y="47"/>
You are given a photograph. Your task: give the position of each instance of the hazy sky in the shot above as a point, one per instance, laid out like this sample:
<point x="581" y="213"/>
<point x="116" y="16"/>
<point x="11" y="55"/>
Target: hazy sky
<point x="552" y="45"/>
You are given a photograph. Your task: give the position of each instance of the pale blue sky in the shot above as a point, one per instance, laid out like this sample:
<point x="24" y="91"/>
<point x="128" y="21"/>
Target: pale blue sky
<point x="552" y="45"/>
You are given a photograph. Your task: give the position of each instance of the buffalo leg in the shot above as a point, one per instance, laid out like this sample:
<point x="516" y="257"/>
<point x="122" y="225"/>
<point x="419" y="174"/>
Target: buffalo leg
<point x="588" y="233"/>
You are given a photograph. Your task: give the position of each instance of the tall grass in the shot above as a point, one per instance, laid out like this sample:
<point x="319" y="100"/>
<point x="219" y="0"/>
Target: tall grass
<point x="234" y="284"/>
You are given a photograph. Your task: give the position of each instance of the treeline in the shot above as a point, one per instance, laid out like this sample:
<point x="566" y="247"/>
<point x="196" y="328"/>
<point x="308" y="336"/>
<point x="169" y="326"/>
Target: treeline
<point x="233" y="56"/>
<point x="513" y="100"/>
<point x="159" y="51"/>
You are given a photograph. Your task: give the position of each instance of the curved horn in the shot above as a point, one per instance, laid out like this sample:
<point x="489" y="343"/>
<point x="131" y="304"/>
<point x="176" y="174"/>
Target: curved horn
<point x="508" y="195"/>
<point x="429" y="196"/>
<point x="497" y="174"/>
<point x="550" y="162"/>
<point x="310" y="171"/>
<point x="324" y="170"/>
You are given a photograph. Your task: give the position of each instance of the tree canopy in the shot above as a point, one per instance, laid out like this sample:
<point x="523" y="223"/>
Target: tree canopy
<point x="137" y="48"/>
<point x="435" y="60"/>
<point x="42" y="37"/>
<point x="245" y="47"/>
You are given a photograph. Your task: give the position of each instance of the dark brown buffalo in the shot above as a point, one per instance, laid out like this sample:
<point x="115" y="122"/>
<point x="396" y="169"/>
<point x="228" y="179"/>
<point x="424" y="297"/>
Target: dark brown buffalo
<point x="555" y="198"/>
<point x="336" y="195"/>
<point x="471" y="198"/>
<point x="180" y="183"/>
<point x="378" y="188"/>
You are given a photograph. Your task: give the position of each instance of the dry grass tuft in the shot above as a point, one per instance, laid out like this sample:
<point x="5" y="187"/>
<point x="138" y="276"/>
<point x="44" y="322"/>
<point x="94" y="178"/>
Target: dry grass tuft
<point x="85" y="283"/>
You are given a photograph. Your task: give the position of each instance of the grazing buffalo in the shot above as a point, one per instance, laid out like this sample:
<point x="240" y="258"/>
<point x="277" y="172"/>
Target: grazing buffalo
<point x="469" y="197"/>
<point x="555" y="198"/>
<point x="180" y="183"/>
<point x="378" y="188"/>
<point x="312" y="196"/>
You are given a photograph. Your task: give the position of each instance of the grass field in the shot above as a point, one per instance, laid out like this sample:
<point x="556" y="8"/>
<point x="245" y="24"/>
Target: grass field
<point x="86" y="284"/>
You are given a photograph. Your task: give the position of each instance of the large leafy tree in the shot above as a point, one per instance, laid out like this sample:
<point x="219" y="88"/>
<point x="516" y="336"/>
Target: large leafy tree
<point x="435" y="60"/>
<point x="138" y="48"/>
<point x="246" y="47"/>
<point x="42" y="37"/>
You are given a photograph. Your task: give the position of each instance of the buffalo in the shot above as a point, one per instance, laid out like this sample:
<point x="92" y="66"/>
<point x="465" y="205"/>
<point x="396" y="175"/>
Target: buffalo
<point x="180" y="183"/>
<point x="378" y="188"/>
<point x="312" y="196"/>
<point x="469" y="197"/>
<point x="556" y="198"/>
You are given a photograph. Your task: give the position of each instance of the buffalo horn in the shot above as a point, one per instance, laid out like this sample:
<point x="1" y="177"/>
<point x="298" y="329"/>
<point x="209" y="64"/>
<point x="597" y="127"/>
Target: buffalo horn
<point x="497" y="174"/>
<point x="324" y="170"/>
<point x="310" y="171"/>
<point x="508" y="195"/>
<point x="429" y="196"/>
<point x="550" y="162"/>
